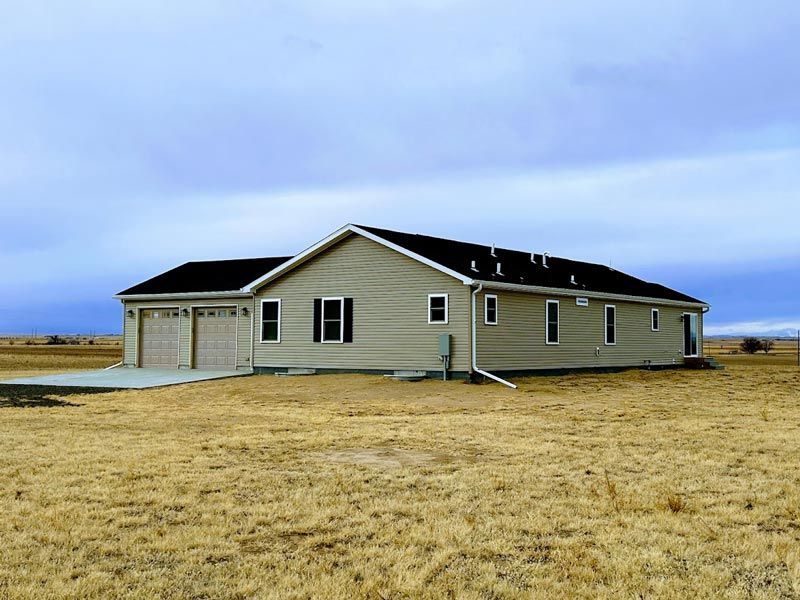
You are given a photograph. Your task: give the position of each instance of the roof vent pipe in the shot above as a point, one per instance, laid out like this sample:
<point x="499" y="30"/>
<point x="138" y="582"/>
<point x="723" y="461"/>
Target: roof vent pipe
<point x="499" y="268"/>
<point x="545" y="256"/>
<point x="493" y="250"/>
<point x="572" y="280"/>
<point x="533" y="258"/>
<point x="474" y="265"/>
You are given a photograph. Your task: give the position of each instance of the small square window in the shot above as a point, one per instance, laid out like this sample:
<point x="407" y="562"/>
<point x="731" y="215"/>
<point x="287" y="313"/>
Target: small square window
<point x="438" y="309"/>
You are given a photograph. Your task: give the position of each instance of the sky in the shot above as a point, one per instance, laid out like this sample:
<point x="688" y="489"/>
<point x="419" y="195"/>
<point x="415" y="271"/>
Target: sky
<point x="660" y="138"/>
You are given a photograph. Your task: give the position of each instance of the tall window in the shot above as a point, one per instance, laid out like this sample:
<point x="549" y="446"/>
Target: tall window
<point x="270" y="321"/>
<point x="552" y="322"/>
<point x="655" y="317"/>
<point x="611" y="325"/>
<point x="333" y="320"/>
<point x="437" y="309"/>
<point x="490" y="310"/>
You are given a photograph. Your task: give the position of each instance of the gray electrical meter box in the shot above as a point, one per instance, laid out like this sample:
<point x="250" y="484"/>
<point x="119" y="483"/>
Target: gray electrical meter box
<point x="444" y="344"/>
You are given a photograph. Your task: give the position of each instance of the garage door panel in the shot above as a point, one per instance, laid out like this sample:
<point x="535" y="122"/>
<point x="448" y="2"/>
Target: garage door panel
<point x="215" y="339"/>
<point x="159" y="338"/>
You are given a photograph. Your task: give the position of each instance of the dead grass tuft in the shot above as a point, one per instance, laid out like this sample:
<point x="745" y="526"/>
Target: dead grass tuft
<point x="676" y="503"/>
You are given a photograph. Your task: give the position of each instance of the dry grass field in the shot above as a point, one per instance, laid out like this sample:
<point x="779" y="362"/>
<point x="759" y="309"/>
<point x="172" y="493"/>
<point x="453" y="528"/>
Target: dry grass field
<point x="20" y="359"/>
<point x="667" y="484"/>
<point x="727" y="350"/>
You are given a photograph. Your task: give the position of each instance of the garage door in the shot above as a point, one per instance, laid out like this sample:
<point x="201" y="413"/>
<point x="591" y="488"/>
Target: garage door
<point x="159" y="338"/>
<point x="215" y="338"/>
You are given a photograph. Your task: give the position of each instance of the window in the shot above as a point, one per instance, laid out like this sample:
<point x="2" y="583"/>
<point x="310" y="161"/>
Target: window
<point x="271" y="321"/>
<point x="490" y="310"/>
<point x="611" y="325"/>
<point x="552" y="322"/>
<point x="332" y="320"/>
<point x="655" y="317"/>
<point x="438" y="309"/>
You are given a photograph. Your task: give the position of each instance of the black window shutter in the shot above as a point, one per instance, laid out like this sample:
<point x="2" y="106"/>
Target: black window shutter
<point x="348" y="320"/>
<point x="318" y="320"/>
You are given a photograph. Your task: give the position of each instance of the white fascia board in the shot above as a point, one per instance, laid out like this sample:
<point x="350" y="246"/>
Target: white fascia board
<point x="337" y="236"/>
<point x="548" y="291"/>
<point x="182" y="296"/>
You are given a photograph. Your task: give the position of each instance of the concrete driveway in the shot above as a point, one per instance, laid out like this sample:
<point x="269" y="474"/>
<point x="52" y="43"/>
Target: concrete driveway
<point x="125" y="379"/>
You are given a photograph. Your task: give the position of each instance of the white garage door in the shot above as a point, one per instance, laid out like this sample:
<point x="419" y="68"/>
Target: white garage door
<point x="159" y="338"/>
<point x="215" y="338"/>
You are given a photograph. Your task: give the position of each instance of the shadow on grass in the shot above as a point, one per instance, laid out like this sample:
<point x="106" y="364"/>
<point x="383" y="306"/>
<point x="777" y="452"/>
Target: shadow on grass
<point x="41" y="396"/>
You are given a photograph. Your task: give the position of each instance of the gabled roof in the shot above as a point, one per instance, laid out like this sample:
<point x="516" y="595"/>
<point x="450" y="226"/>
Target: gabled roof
<point x="455" y="258"/>
<point x="207" y="276"/>
<point x="517" y="267"/>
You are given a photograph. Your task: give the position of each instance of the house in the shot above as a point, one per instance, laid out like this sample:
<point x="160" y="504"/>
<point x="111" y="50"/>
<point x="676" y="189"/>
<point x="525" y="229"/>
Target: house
<point x="377" y="301"/>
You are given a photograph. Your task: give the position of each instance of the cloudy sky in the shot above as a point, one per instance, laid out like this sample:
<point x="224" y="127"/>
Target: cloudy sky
<point x="663" y="138"/>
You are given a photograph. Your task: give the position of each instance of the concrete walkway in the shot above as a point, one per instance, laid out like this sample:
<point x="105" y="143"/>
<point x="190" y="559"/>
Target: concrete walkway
<point x="125" y="379"/>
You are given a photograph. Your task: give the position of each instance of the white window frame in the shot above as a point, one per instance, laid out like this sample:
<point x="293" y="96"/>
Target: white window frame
<point x="486" y="320"/>
<point x="261" y="323"/>
<point x="446" y="309"/>
<point x="547" y="322"/>
<point x="605" y="325"/>
<point x="654" y="312"/>
<point x="340" y="299"/>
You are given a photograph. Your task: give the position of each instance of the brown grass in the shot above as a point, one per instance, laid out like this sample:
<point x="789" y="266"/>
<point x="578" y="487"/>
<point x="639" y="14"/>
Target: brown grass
<point x="640" y="484"/>
<point x="21" y="360"/>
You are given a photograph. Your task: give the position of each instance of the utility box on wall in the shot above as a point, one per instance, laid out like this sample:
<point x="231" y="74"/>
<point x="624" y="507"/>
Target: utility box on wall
<point x="444" y="344"/>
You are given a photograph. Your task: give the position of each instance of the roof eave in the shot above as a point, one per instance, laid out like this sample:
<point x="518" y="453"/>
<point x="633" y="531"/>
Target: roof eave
<point x="184" y="295"/>
<point x="535" y="289"/>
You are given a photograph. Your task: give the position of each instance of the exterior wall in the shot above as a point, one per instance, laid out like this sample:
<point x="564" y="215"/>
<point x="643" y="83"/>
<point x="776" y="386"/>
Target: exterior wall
<point x="518" y="341"/>
<point x="131" y="328"/>
<point x="390" y="312"/>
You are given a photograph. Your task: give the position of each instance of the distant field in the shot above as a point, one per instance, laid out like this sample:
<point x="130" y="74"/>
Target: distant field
<point x="727" y="350"/>
<point x="674" y="484"/>
<point x="17" y="358"/>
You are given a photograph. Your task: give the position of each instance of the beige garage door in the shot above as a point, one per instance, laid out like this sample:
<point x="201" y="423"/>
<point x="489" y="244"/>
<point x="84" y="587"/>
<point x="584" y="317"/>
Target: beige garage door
<point x="215" y="338"/>
<point x="159" y="338"/>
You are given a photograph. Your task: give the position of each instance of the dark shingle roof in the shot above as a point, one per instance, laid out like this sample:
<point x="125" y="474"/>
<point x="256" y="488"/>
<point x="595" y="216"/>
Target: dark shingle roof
<point x="517" y="267"/>
<point x="208" y="276"/>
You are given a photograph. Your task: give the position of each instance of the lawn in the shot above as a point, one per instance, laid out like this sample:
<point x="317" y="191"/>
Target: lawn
<point x="639" y="484"/>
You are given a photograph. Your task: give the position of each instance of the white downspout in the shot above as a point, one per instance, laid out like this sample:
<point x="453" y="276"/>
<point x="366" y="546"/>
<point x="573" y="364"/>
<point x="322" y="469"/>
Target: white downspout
<point x="475" y="341"/>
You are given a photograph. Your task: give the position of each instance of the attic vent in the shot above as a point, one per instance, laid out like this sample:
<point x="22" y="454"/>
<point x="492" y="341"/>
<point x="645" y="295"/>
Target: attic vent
<point x="493" y="251"/>
<point x="474" y="266"/>
<point x="545" y="256"/>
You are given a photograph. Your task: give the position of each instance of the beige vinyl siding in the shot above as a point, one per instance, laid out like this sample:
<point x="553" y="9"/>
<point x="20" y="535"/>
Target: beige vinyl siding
<point x="243" y="343"/>
<point x="390" y="312"/>
<point x="517" y="342"/>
